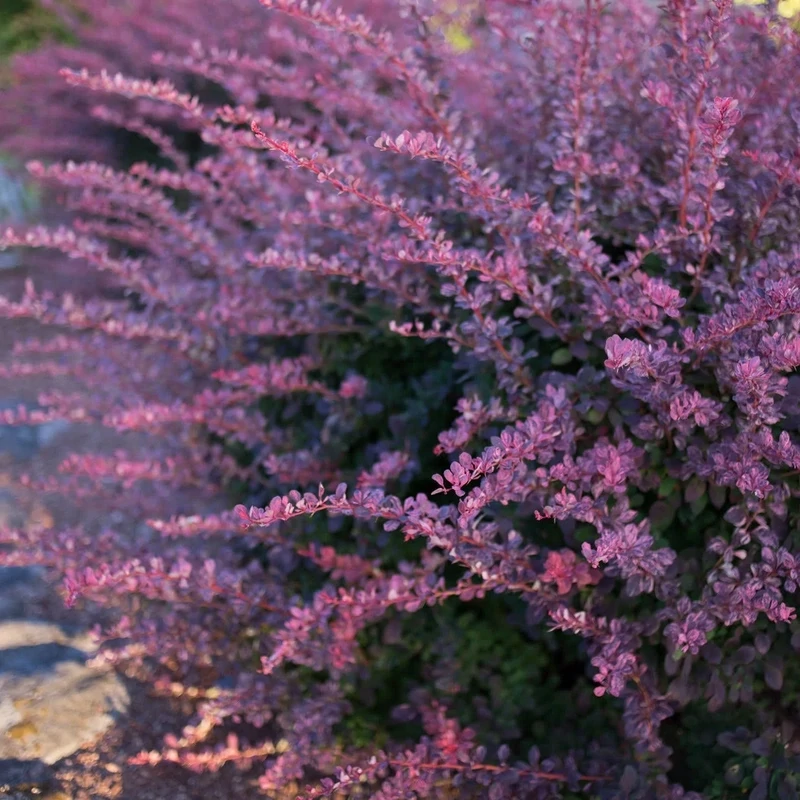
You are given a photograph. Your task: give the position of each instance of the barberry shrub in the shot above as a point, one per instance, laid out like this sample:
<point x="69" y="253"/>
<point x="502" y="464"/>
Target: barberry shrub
<point x="493" y="335"/>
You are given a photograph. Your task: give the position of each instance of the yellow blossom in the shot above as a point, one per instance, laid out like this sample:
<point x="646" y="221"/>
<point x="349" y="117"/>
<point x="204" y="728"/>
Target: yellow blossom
<point x="453" y="21"/>
<point x="786" y="8"/>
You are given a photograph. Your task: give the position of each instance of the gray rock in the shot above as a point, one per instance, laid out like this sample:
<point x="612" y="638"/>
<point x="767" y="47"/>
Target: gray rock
<point x="15" y="205"/>
<point x="9" y="716"/>
<point x="49" y="431"/>
<point x="22" y="442"/>
<point x="23" y="590"/>
<point x="53" y="702"/>
<point x="18" y="441"/>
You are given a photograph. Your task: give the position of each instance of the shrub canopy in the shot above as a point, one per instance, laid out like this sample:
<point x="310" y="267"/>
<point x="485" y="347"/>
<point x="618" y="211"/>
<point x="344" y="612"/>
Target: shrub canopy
<point x="493" y="335"/>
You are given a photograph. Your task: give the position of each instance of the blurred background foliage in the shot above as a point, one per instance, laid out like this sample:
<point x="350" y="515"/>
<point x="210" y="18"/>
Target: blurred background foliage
<point x="786" y="8"/>
<point x="452" y="21"/>
<point x="23" y="25"/>
<point x="455" y="15"/>
<point x="26" y="23"/>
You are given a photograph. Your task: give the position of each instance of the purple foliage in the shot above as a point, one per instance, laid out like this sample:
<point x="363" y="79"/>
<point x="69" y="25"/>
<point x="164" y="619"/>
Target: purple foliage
<point x="595" y="205"/>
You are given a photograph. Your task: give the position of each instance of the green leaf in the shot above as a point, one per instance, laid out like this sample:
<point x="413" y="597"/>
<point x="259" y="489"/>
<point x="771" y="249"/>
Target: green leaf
<point x="695" y="489"/>
<point x="594" y="415"/>
<point x="561" y="356"/>
<point x="661" y="515"/>
<point x="636" y="500"/>
<point x="699" y="505"/>
<point x="667" y="487"/>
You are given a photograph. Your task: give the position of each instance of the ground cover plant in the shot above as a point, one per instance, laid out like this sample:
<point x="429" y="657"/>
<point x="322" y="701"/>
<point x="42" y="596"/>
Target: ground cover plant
<point x="487" y="317"/>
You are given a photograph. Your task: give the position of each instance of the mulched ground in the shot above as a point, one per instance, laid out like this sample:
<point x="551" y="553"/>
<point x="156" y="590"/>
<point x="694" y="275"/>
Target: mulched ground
<point x="102" y="772"/>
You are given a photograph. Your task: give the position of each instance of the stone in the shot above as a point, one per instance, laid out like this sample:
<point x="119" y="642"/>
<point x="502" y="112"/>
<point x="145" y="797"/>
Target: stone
<point x="18" y="442"/>
<point x="9" y="715"/>
<point x="23" y="590"/>
<point x="15" y="207"/>
<point x="11" y="513"/>
<point x="48" y="432"/>
<point x="53" y="701"/>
